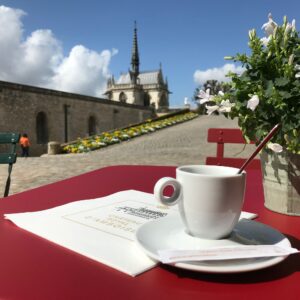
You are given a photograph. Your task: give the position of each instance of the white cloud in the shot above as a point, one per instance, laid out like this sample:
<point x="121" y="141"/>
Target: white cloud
<point x="200" y="77"/>
<point x="38" y="59"/>
<point x="83" y="71"/>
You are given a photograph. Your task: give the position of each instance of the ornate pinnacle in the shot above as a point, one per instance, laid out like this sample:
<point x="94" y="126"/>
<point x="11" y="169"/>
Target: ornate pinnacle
<point x="135" y="61"/>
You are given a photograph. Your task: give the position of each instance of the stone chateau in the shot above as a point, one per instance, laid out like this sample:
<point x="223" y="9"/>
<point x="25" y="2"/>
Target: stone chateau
<point x="140" y="88"/>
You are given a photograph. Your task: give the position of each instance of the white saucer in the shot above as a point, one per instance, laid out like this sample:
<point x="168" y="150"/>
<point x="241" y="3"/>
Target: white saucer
<point x="168" y="233"/>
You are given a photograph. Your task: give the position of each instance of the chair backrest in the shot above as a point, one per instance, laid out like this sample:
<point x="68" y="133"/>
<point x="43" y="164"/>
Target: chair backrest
<point x="223" y="136"/>
<point x="10" y="156"/>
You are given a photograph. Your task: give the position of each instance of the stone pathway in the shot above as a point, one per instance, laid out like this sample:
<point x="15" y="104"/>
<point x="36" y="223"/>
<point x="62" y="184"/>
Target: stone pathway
<point x="177" y="145"/>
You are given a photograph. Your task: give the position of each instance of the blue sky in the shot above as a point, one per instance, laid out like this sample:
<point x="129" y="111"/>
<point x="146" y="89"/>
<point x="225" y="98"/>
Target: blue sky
<point x="185" y="36"/>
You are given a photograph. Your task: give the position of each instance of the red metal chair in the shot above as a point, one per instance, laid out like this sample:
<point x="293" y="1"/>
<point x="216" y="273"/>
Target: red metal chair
<point x="222" y="136"/>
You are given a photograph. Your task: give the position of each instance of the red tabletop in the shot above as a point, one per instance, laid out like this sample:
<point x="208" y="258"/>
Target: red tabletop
<point x="34" y="268"/>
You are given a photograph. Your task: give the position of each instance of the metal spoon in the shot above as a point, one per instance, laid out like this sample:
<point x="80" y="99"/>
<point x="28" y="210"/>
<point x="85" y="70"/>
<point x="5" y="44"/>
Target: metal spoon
<point x="259" y="147"/>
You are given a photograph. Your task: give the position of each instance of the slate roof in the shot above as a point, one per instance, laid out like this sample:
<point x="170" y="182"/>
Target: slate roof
<point x="149" y="77"/>
<point x="144" y="77"/>
<point x="124" y="79"/>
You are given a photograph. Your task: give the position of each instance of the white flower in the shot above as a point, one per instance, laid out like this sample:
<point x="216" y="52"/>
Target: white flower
<point x="265" y="40"/>
<point x="211" y="109"/>
<point x="270" y="26"/>
<point x="205" y="96"/>
<point x="290" y="27"/>
<point x="275" y="147"/>
<point x="220" y="93"/>
<point x="225" y="106"/>
<point x="253" y="102"/>
<point x="252" y="34"/>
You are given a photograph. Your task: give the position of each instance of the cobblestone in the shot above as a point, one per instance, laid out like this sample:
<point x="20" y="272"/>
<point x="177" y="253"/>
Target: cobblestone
<point x="177" y="145"/>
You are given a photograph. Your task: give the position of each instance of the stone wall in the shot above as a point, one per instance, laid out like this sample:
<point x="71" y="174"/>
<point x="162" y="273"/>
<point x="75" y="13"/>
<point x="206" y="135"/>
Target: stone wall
<point x="66" y="115"/>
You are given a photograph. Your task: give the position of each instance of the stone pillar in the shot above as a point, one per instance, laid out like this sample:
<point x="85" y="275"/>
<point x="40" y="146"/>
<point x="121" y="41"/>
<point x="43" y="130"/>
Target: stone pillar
<point x="54" y="148"/>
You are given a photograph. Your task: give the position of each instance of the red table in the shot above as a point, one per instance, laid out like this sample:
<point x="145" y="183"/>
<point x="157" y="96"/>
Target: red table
<point x="34" y="268"/>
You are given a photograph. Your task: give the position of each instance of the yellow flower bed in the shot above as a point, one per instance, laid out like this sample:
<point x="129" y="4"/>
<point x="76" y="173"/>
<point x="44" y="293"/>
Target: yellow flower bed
<point x="109" y="138"/>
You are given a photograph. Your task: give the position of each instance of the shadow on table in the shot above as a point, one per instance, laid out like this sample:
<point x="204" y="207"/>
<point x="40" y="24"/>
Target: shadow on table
<point x="281" y="270"/>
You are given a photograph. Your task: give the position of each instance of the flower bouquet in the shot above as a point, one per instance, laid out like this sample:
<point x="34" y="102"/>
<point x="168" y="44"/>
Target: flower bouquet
<point x="268" y="90"/>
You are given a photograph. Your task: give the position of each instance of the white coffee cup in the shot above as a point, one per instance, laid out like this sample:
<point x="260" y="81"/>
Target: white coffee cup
<point x="210" y="198"/>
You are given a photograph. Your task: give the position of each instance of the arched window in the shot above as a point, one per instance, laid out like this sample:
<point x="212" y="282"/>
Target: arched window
<point x="41" y="128"/>
<point x="92" y="125"/>
<point x="122" y="97"/>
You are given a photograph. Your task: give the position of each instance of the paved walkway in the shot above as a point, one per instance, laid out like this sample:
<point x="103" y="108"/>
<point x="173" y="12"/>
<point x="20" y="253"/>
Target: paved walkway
<point x="177" y="145"/>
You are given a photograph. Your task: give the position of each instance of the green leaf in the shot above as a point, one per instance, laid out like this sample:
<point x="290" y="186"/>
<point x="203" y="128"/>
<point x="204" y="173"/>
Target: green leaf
<point x="245" y="77"/>
<point x="285" y="95"/>
<point x="269" y="89"/>
<point x="297" y="83"/>
<point x="282" y="81"/>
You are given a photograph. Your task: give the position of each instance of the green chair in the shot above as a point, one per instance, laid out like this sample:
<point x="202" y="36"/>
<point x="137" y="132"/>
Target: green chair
<point x="10" y="157"/>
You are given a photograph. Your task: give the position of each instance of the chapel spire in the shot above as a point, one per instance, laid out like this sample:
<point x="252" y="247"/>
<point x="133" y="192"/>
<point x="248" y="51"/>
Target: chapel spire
<point x="135" y="60"/>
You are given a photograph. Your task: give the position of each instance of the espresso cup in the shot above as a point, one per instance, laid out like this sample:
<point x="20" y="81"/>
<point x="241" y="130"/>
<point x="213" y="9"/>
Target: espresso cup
<point x="209" y="198"/>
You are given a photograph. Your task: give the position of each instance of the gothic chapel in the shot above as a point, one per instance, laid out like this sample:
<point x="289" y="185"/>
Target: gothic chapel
<point x="141" y="88"/>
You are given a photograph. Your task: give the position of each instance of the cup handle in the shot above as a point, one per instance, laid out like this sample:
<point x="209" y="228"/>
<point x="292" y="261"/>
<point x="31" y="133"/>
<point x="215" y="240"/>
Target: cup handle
<point x="159" y="187"/>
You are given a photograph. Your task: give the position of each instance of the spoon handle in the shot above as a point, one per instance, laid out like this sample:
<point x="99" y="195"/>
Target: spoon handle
<point x="259" y="147"/>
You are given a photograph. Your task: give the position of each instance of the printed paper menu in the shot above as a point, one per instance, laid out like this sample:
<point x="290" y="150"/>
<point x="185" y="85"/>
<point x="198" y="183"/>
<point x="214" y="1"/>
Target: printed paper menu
<point x="102" y="229"/>
<point x="120" y="219"/>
